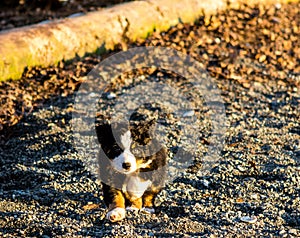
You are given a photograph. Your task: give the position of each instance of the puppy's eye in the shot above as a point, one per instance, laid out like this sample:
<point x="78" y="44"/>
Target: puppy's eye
<point x="135" y="151"/>
<point x="115" y="146"/>
<point x="113" y="151"/>
<point x="117" y="149"/>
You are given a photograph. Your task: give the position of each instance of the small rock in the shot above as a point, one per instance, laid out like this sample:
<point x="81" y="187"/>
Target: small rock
<point x="277" y="6"/>
<point x="254" y="196"/>
<point x="205" y="183"/>
<point x="218" y="40"/>
<point x="248" y="219"/>
<point x="92" y="95"/>
<point x="189" y="113"/>
<point x="111" y="95"/>
<point x="45" y="236"/>
<point x="292" y="231"/>
<point x="242" y="168"/>
<point x="282" y="232"/>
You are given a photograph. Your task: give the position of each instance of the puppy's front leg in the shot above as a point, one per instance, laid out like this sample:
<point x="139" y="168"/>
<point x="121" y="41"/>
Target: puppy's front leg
<point x="115" y="202"/>
<point x="116" y="214"/>
<point x="116" y="209"/>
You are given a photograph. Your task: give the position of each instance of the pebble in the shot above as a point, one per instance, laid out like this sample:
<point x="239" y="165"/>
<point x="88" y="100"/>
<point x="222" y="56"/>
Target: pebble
<point x="293" y="232"/>
<point x="255" y="196"/>
<point x="205" y="183"/>
<point x="93" y="95"/>
<point x="278" y="6"/>
<point x="248" y="219"/>
<point x="111" y="95"/>
<point x="188" y="113"/>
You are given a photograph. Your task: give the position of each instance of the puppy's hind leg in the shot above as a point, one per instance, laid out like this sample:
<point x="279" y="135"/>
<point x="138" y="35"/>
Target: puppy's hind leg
<point x="148" y="201"/>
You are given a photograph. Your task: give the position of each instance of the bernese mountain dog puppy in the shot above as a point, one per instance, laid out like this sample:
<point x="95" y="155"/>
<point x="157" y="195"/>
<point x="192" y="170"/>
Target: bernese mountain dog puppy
<point x="131" y="177"/>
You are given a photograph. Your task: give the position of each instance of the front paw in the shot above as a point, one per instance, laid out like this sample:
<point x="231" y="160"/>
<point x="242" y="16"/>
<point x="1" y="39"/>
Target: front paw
<point x="117" y="214"/>
<point x="148" y="210"/>
<point x="132" y="209"/>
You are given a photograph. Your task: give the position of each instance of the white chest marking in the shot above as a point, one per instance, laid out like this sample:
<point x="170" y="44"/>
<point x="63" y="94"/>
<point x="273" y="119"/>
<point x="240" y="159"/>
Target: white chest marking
<point x="136" y="186"/>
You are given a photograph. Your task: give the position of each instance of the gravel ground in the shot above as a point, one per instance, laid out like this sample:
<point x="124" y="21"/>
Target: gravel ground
<point x="253" y="54"/>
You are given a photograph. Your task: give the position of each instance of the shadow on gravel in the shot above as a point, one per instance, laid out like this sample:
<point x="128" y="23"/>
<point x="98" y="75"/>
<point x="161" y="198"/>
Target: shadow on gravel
<point x="40" y="172"/>
<point x="30" y="145"/>
<point x="32" y="230"/>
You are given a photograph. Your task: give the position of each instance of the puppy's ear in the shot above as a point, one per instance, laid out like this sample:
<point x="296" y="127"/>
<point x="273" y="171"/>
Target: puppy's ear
<point x="122" y="134"/>
<point x="143" y="131"/>
<point x="126" y="140"/>
<point x="150" y="125"/>
<point x="110" y="134"/>
<point x="104" y="133"/>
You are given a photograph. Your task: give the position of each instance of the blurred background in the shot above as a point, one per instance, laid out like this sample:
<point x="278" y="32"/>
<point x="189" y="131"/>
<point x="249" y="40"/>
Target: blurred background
<point x="16" y="13"/>
<point x="54" y="4"/>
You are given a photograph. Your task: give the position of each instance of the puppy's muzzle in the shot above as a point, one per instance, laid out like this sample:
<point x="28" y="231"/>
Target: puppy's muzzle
<point x="126" y="165"/>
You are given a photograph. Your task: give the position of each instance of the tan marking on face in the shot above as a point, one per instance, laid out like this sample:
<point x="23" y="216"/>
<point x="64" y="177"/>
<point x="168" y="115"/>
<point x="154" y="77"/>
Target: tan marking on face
<point x="143" y="165"/>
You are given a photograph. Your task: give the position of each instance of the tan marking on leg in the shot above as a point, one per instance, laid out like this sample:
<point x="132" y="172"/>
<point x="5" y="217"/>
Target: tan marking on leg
<point x="118" y="201"/>
<point x="138" y="203"/>
<point x="148" y="198"/>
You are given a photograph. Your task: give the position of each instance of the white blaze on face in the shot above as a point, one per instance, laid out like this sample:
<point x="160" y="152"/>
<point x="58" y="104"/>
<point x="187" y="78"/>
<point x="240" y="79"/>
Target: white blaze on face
<point x="125" y="162"/>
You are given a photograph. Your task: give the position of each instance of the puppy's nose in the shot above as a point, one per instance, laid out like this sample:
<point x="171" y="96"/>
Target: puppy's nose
<point x="126" y="165"/>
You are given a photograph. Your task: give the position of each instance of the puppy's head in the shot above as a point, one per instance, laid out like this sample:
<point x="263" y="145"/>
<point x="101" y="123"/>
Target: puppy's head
<point x="117" y="141"/>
